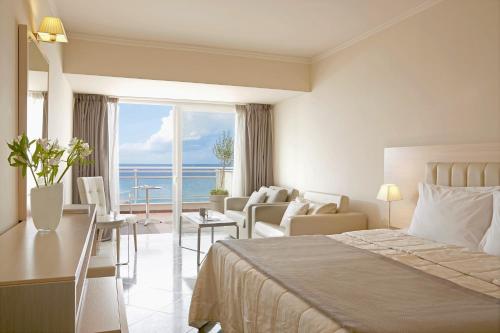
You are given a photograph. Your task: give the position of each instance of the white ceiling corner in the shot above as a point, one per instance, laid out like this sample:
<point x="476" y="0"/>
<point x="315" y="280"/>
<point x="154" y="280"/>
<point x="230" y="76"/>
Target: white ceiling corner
<point x="293" y="30"/>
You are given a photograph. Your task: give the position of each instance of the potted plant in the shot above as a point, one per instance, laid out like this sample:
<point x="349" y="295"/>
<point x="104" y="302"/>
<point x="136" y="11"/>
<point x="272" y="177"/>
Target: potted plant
<point x="223" y="150"/>
<point x="44" y="163"/>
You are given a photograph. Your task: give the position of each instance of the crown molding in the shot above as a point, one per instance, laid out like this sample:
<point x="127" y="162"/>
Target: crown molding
<point x="188" y="48"/>
<point x="398" y="19"/>
<point x="255" y="55"/>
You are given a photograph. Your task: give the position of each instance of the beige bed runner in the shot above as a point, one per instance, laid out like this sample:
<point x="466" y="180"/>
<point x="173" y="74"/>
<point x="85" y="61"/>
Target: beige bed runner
<point x="367" y="292"/>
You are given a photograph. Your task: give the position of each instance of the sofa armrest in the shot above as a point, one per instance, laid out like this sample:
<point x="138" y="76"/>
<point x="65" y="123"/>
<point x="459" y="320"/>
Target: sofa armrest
<point x="326" y="224"/>
<point x="235" y="203"/>
<point x="269" y="213"/>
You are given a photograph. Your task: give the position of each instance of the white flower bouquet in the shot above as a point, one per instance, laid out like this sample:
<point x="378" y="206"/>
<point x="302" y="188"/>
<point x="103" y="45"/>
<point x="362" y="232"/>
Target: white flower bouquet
<point x="44" y="162"/>
<point x="43" y="158"/>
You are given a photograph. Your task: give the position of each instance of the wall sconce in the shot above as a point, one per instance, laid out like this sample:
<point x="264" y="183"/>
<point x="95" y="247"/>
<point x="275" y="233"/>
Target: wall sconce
<point x="52" y="31"/>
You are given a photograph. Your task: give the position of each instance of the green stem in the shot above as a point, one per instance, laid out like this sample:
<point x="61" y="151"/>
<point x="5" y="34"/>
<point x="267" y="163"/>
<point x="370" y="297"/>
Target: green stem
<point x="69" y="163"/>
<point x="28" y="160"/>
<point x="33" y="174"/>
<point x="64" y="172"/>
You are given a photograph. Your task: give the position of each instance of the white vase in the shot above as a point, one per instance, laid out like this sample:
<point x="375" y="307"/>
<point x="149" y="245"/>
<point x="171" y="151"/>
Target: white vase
<point x="47" y="206"/>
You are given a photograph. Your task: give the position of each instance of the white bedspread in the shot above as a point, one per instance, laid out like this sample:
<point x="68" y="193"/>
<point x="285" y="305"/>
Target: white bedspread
<point x="230" y="291"/>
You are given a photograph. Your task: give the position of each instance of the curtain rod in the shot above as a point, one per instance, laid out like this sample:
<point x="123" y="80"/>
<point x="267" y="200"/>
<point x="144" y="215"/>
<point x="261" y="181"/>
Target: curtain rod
<point x="169" y="100"/>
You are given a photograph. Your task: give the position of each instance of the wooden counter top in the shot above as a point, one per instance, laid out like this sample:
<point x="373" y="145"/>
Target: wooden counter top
<point x="28" y="256"/>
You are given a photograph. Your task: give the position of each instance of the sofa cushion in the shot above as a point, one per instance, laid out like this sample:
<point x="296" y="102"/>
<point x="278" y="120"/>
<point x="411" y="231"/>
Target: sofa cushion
<point x="342" y="201"/>
<point x="322" y="208"/>
<point x="276" y="195"/>
<point x="263" y="229"/>
<point x="237" y="216"/>
<point x="294" y="208"/>
<point x="291" y="193"/>
<point x="255" y="198"/>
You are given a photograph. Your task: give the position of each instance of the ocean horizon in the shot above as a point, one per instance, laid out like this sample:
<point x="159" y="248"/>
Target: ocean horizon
<point x="196" y="184"/>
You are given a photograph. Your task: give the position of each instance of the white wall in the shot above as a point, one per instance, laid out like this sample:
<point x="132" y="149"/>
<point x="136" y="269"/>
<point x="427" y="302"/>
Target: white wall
<point x="431" y="79"/>
<point x="12" y="13"/>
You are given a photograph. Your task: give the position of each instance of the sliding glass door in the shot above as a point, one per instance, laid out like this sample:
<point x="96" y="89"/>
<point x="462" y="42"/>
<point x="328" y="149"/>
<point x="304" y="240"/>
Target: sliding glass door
<point x="201" y="126"/>
<point x="170" y="146"/>
<point x="146" y="136"/>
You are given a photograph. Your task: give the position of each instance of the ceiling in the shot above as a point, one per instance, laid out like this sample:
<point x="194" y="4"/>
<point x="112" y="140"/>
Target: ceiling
<point x="300" y="28"/>
<point x="139" y="88"/>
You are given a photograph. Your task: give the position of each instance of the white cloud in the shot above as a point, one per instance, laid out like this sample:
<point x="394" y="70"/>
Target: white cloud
<point x="195" y="126"/>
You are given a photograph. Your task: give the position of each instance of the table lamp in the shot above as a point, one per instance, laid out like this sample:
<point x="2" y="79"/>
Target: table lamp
<point x="389" y="193"/>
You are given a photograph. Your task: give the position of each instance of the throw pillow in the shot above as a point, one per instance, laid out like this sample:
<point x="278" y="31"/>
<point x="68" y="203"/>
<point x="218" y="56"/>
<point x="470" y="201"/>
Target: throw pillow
<point x="255" y="198"/>
<point x="294" y="208"/>
<point x="322" y="208"/>
<point x="276" y="195"/>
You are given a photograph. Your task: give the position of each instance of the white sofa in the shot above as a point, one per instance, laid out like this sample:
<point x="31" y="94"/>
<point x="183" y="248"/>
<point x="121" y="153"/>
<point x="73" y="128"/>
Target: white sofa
<point x="266" y="219"/>
<point x="233" y="209"/>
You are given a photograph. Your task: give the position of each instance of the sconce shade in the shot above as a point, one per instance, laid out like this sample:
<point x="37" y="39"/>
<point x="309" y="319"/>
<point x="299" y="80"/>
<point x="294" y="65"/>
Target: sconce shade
<point x="389" y="192"/>
<point x="52" y="30"/>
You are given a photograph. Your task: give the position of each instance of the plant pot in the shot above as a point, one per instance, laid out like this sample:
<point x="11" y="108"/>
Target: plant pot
<point x="217" y="202"/>
<point x="47" y="206"/>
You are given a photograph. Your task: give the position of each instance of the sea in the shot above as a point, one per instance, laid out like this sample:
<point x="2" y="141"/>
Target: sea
<point x="197" y="181"/>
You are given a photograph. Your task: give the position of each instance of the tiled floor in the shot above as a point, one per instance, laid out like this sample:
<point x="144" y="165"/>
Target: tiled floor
<point x="158" y="282"/>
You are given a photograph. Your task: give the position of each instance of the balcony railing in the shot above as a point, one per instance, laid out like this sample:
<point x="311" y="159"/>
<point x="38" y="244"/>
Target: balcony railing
<point x="197" y="181"/>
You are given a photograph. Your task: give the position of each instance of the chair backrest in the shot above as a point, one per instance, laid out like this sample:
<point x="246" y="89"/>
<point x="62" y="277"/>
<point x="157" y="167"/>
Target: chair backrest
<point x="342" y="201"/>
<point x="91" y="191"/>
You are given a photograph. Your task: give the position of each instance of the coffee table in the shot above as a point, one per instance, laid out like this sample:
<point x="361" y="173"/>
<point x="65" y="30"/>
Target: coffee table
<point x="216" y="220"/>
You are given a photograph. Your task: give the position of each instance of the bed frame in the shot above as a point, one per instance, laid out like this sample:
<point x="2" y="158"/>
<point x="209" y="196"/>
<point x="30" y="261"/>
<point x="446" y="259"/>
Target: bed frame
<point x="453" y="165"/>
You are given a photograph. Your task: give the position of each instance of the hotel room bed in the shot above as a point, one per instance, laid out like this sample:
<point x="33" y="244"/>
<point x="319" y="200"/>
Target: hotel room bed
<point x="233" y="292"/>
<point x="372" y="280"/>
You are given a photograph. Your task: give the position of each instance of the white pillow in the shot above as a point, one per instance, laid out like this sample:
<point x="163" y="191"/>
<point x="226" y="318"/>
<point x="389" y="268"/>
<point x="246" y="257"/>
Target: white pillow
<point x="491" y="240"/>
<point x="255" y="198"/>
<point x="452" y="216"/>
<point x="322" y="208"/>
<point x="294" y="208"/>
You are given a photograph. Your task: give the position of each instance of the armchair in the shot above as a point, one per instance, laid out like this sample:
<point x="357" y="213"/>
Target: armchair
<point x="233" y="208"/>
<point x="266" y="220"/>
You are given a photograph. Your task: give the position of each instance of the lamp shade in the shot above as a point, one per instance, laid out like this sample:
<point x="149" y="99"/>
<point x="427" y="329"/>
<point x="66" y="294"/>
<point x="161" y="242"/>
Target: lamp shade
<point x="52" y="30"/>
<point x="389" y="192"/>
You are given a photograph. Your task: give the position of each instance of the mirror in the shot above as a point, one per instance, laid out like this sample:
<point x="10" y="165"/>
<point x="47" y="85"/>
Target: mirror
<point x="38" y="89"/>
<point x="33" y="92"/>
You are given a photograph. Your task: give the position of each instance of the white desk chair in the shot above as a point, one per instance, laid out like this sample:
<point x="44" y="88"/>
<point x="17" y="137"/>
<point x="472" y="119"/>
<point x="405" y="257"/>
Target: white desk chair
<point x="91" y="191"/>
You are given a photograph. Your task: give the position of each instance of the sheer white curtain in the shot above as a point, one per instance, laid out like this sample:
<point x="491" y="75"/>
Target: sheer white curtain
<point x="36" y="101"/>
<point x="114" y="171"/>
<point x="239" y="171"/>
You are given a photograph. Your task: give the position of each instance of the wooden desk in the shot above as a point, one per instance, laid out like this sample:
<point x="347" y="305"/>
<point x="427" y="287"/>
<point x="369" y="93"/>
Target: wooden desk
<point x="43" y="281"/>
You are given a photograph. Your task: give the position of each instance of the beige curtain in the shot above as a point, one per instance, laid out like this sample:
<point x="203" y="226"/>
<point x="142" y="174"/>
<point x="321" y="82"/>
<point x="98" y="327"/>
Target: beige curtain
<point x="259" y="146"/>
<point x="90" y="123"/>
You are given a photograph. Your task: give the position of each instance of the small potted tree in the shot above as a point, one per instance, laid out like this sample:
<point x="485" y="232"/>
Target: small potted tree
<point x="223" y="149"/>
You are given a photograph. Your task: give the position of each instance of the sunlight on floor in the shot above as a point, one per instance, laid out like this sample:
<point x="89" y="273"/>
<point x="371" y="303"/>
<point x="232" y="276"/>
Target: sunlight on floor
<point x="158" y="282"/>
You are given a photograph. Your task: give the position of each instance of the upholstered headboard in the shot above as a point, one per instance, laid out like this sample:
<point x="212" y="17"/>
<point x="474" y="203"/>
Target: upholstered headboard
<point x="452" y="165"/>
<point x="463" y="174"/>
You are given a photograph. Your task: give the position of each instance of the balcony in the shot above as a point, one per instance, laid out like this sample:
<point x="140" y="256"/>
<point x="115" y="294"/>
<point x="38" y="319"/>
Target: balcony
<point x="197" y="181"/>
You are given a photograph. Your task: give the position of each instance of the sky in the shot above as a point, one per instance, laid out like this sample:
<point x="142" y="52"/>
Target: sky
<point x="145" y="134"/>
